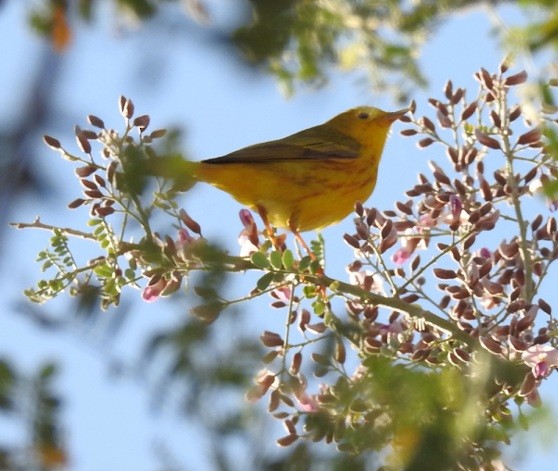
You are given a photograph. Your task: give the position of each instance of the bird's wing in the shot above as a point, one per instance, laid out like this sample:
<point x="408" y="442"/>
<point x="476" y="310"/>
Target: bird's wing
<point x="311" y="144"/>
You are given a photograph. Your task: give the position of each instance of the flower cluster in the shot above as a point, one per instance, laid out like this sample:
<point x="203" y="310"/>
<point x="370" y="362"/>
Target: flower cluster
<point x="445" y="302"/>
<point x="114" y="190"/>
<point x="462" y="262"/>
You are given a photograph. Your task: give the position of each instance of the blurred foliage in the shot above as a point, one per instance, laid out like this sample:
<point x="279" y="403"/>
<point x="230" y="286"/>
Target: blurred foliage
<point x="35" y="407"/>
<point x="446" y="316"/>
<point x="299" y="41"/>
<point x="192" y="370"/>
<point x="543" y="32"/>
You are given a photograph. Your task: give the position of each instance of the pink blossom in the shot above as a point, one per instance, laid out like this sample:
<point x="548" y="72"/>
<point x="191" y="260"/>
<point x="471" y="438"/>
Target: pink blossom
<point x="456" y="205"/>
<point x="401" y="256"/>
<point x="248" y="238"/>
<point x="246" y="246"/>
<point x="394" y="328"/>
<point x="425" y="221"/>
<point x="541" y="358"/>
<point x="307" y="402"/>
<point x="449" y="217"/>
<point x="283" y="293"/>
<point x="150" y="295"/>
<point x="484" y="252"/>
<point x="246" y="218"/>
<point x="488" y="301"/>
<point x="184" y="238"/>
<point x="540" y="370"/>
<point x="152" y="292"/>
<point x="308" y="405"/>
<point x="409" y="243"/>
<point x="363" y="277"/>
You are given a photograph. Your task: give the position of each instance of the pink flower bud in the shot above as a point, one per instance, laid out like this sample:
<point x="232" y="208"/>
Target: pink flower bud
<point x="246" y="218"/>
<point x="152" y="292"/>
<point x="484" y="252"/>
<point x="456" y="205"/>
<point x="401" y="256"/>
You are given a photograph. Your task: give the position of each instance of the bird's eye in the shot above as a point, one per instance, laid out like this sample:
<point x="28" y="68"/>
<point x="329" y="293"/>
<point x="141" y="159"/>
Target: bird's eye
<point x="363" y="115"/>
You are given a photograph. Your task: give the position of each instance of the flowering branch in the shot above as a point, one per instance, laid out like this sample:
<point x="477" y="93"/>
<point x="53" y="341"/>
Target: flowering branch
<point x="490" y="342"/>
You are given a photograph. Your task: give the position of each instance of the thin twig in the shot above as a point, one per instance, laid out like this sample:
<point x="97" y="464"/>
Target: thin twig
<point x="37" y="224"/>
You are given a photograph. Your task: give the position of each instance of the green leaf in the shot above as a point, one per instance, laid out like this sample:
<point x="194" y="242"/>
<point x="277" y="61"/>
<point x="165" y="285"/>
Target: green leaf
<point x="132" y="263"/>
<point x="288" y="259"/>
<point x="276" y="260"/>
<point x="56" y="285"/>
<point x="259" y="260"/>
<point x="110" y="287"/>
<point x="309" y="291"/>
<point x="319" y="307"/>
<point x="103" y="271"/>
<point x="47" y="265"/>
<point x="263" y="283"/>
<point x="315" y="267"/>
<point x="304" y="263"/>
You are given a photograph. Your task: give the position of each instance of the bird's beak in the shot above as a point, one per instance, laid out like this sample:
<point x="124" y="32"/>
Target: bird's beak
<point x="395" y="115"/>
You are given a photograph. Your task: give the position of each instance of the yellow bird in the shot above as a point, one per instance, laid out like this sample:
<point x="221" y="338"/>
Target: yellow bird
<point x="310" y="179"/>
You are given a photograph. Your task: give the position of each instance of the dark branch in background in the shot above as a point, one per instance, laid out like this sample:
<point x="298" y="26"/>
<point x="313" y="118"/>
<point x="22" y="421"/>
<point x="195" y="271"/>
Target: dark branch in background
<point x="17" y="173"/>
<point x="300" y="42"/>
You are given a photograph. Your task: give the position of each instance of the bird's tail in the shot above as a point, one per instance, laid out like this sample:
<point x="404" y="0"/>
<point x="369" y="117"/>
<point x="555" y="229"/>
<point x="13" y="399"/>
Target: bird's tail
<point x="175" y="168"/>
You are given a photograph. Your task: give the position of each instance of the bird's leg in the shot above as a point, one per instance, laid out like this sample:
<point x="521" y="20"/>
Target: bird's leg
<point x="278" y="242"/>
<point x="321" y="289"/>
<point x="300" y="240"/>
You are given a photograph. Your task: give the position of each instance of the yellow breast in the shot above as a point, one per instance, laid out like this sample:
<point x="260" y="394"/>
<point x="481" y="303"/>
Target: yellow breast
<point x="306" y="195"/>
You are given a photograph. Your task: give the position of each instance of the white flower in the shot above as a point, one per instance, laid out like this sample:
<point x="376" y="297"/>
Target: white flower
<point x="541" y="358"/>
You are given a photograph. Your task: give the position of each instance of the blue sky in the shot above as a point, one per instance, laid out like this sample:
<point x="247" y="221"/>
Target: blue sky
<point x="179" y="79"/>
